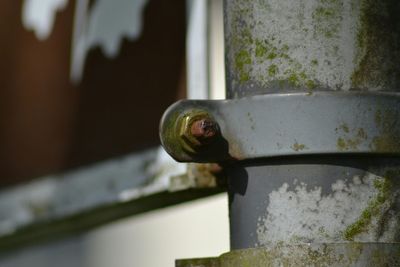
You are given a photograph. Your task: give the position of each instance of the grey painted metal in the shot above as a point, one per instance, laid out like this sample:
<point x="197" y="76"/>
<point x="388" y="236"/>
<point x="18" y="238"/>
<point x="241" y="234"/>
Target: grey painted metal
<point x="62" y="204"/>
<point x="291" y="124"/>
<point x="317" y="199"/>
<point x="281" y="46"/>
<point x="336" y="182"/>
<point x="304" y="45"/>
<point x="306" y="255"/>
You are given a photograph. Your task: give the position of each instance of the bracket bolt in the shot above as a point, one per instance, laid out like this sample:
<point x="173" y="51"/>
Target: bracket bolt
<point x="204" y="129"/>
<point x="198" y="130"/>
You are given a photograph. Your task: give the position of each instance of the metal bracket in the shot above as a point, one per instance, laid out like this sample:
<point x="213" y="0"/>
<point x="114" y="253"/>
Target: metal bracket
<point x="324" y="122"/>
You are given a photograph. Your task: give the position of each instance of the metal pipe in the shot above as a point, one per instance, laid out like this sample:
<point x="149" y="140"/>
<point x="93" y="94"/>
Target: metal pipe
<point x="313" y="169"/>
<point x="314" y="45"/>
<point x="306" y="45"/>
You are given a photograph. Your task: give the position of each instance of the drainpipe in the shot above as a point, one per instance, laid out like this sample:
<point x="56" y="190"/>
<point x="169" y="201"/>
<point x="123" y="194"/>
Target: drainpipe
<point x="309" y="136"/>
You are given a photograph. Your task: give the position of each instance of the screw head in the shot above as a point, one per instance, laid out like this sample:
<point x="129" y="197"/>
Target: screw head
<point x="197" y="130"/>
<point x="204" y="130"/>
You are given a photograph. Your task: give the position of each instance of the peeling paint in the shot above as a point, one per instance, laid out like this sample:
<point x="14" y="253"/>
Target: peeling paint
<point x="59" y="197"/>
<point x="198" y="176"/>
<point x="363" y="209"/>
<point x="105" y="25"/>
<point x="39" y="16"/>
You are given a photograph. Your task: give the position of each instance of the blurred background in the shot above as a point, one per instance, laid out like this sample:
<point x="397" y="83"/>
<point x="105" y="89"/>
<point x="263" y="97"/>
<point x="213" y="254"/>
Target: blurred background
<point x="83" y="86"/>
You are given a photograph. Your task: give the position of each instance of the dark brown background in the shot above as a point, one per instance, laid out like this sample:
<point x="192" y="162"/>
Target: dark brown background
<point x="47" y="125"/>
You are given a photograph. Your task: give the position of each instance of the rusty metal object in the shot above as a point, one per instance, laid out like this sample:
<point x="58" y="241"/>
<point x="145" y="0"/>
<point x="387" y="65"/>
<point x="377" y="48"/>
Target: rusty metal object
<point x="204" y="130"/>
<point x="196" y="130"/>
<point x="193" y="131"/>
